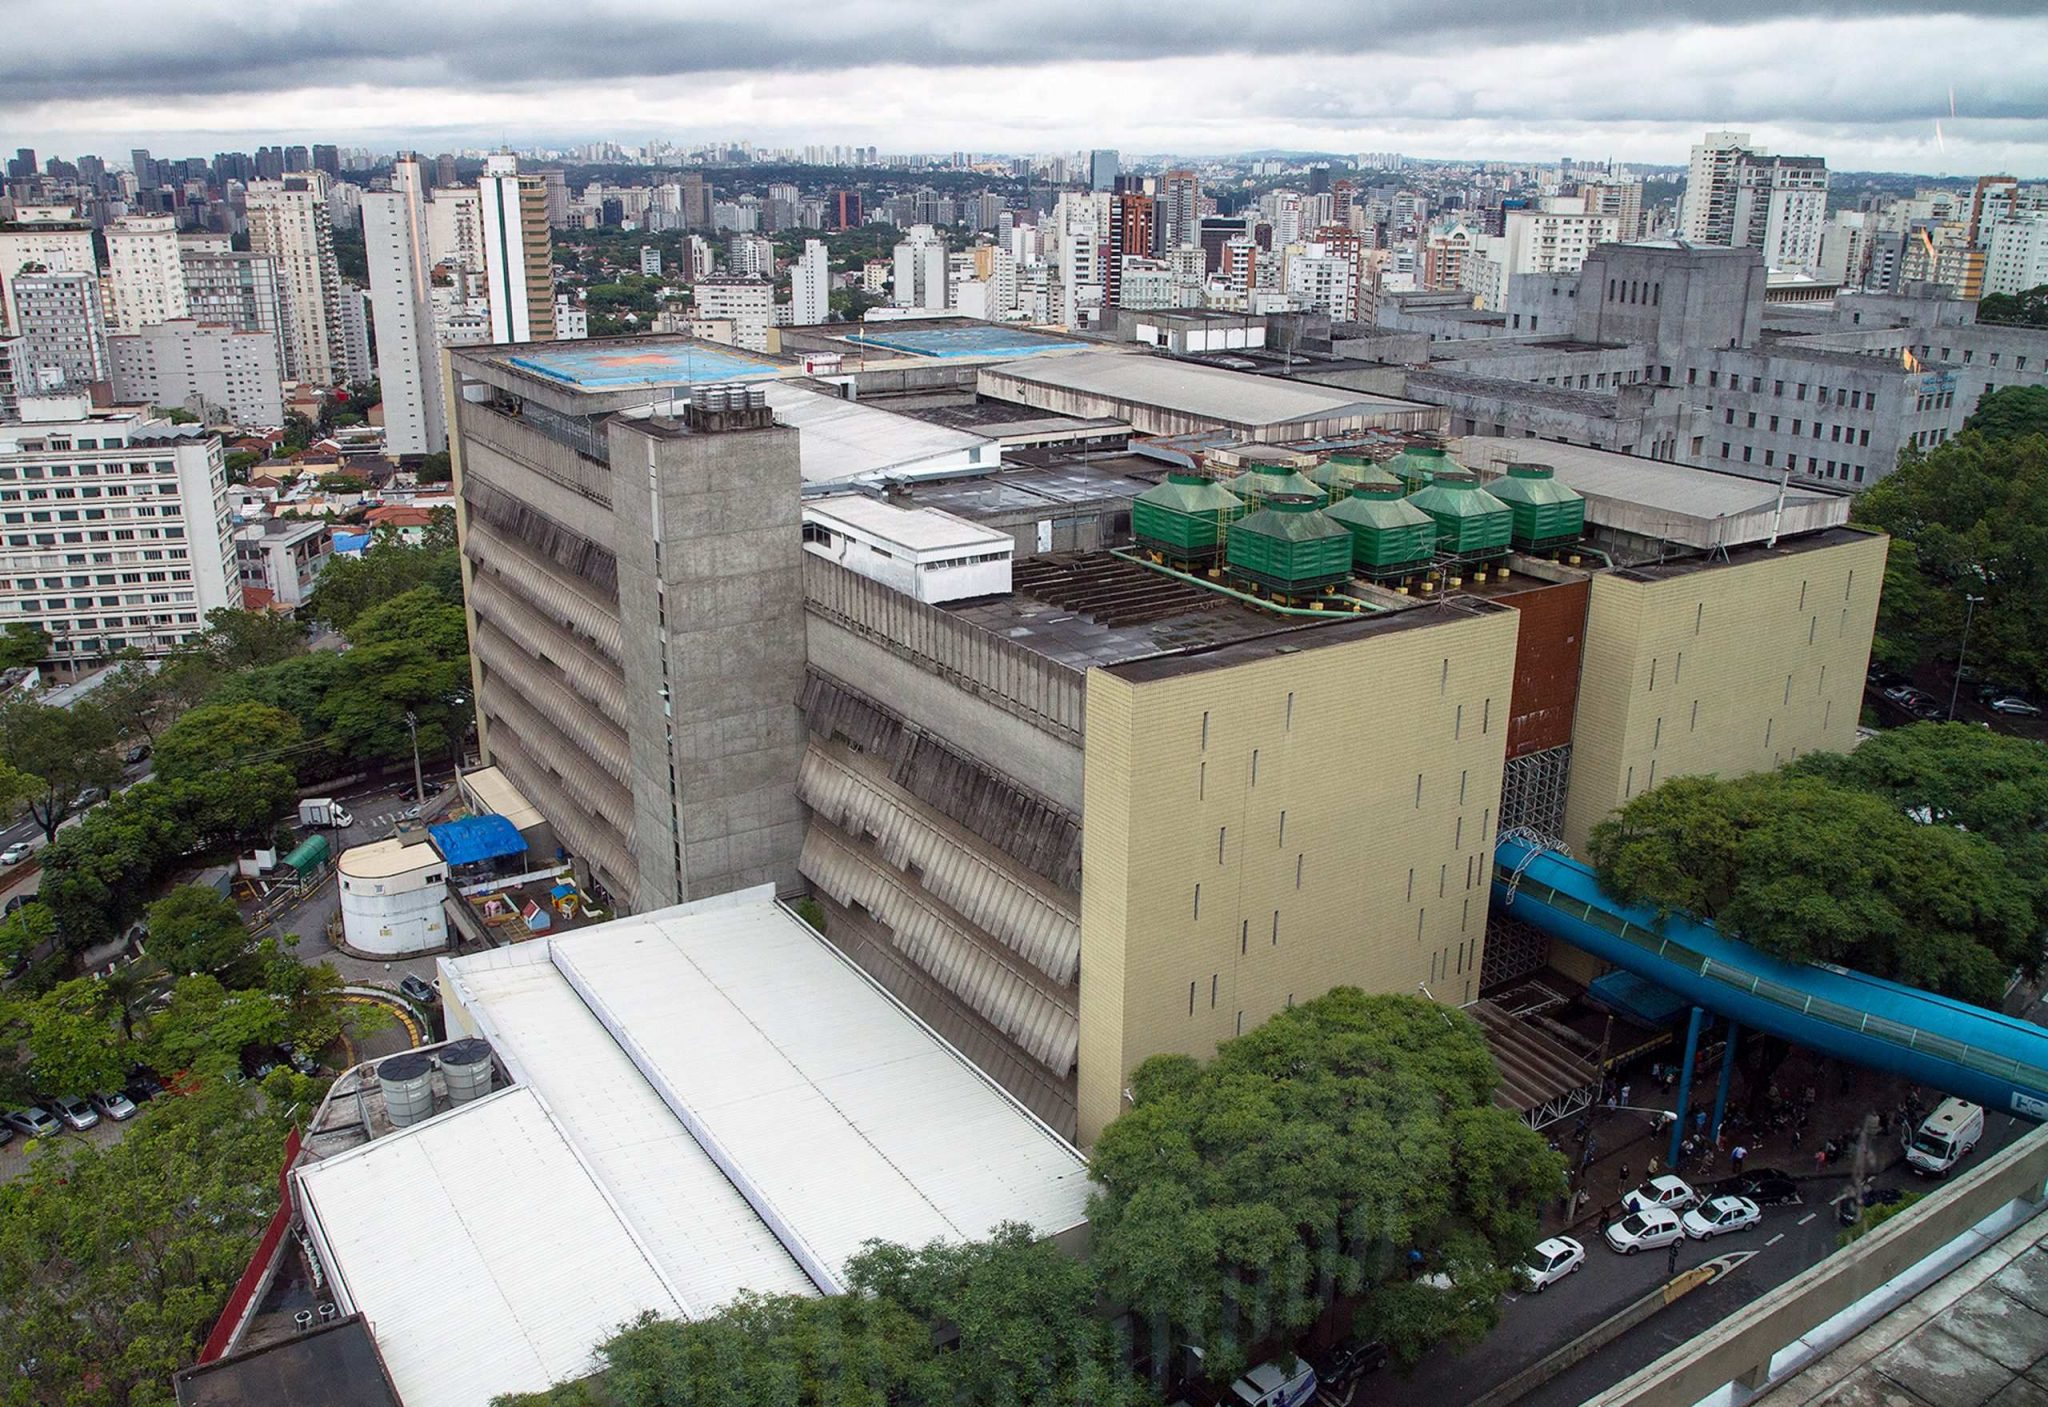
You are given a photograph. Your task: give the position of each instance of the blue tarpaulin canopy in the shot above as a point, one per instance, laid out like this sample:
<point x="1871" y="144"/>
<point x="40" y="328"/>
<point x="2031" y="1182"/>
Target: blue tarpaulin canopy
<point x="474" y="839"/>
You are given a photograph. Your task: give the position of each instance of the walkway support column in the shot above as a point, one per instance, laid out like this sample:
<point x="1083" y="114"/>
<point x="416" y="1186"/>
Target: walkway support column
<point x="1727" y="1077"/>
<point x="1692" y="1050"/>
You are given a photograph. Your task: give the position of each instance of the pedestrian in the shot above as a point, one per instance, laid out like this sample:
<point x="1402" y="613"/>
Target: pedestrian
<point x="1651" y="1170"/>
<point x="1671" y="1262"/>
<point x="1625" y="1090"/>
<point x="1735" y="1158"/>
<point x="1579" y="1202"/>
<point x="1699" y="1122"/>
<point x="1820" y="1160"/>
<point x="1606" y="1217"/>
<point x="1621" y="1177"/>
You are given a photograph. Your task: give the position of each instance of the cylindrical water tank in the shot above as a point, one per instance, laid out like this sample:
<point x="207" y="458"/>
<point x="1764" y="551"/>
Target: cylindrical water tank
<point x="407" y="1082"/>
<point x="466" y="1068"/>
<point x="757" y="398"/>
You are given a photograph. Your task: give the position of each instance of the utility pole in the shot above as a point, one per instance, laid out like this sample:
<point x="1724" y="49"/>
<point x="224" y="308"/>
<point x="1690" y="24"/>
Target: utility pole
<point x="1962" y="652"/>
<point x="419" y="786"/>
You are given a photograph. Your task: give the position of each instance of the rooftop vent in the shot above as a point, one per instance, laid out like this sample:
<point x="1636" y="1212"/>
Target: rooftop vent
<point x="714" y="409"/>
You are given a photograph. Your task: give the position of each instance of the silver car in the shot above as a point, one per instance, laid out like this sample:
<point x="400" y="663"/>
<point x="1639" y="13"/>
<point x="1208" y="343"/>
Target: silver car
<point x="34" y="1121"/>
<point x="115" y="1105"/>
<point x="75" y="1112"/>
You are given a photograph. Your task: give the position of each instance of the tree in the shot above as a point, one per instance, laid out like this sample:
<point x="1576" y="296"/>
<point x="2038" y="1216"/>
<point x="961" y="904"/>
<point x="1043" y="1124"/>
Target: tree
<point x="2024" y="309"/>
<point x="24" y="931"/>
<point x="390" y="567"/>
<point x="1969" y="517"/>
<point x="343" y="483"/>
<point x="68" y="749"/>
<point x="70" y="1049"/>
<point x="196" y="929"/>
<point x="137" y="697"/>
<point x="16" y="788"/>
<point x="23" y="644"/>
<point x="205" y="1027"/>
<point x="221" y="736"/>
<point x="115" y="1261"/>
<point x="1304" y="1162"/>
<point x="409" y="655"/>
<point x="245" y="639"/>
<point x="1989" y="784"/>
<point x="434" y="469"/>
<point x="1810" y="871"/>
<point x="2010" y="412"/>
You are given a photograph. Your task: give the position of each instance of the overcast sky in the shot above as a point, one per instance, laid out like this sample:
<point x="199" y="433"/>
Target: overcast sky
<point x="1861" y="82"/>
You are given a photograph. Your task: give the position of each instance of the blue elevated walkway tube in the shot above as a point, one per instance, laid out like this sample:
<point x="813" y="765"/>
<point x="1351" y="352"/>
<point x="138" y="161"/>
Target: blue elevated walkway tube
<point x="1990" y="1059"/>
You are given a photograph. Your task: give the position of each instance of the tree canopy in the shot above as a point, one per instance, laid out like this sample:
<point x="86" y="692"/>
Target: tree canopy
<point x="2028" y="308"/>
<point x="195" y="929"/>
<point x="1305" y="1161"/>
<point x="1813" y="871"/>
<point x="65" y="749"/>
<point x="349" y="586"/>
<point x="1969" y="517"/>
<point x="225" y="735"/>
<point x="115" y="1261"/>
<point x="2010" y="412"/>
<point x="23" y="643"/>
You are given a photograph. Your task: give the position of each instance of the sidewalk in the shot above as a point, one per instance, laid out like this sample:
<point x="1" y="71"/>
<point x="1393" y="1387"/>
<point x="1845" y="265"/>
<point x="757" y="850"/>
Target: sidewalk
<point x="1630" y="1149"/>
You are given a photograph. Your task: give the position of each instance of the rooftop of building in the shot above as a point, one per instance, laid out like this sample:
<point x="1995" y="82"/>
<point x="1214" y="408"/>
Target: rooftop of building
<point x="1599" y="404"/>
<point x="387" y="858"/>
<point x="949" y="339"/>
<point x="841" y="440"/>
<point x="1004" y="420"/>
<point x="1190" y="388"/>
<point x="912" y="531"/>
<point x="705" y="1100"/>
<point x="1291" y="635"/>
<point x="1039" y="481"/>
<point x="329" y="1365"/>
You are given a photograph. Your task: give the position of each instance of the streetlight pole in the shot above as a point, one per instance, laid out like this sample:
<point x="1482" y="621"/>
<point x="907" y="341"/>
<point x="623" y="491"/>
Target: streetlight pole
<point x="1962" y="652"/>
<point x="419" y="786"/>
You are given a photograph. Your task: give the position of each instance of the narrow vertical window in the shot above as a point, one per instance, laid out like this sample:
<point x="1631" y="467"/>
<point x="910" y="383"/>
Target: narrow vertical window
<point x="1255" y="766"/>
<point x="1283" y="829"/>
<point x="1463" y="777"/>
<point x="1699" y="616"/>
<point x="1221" y="833"/>
<point x="1276" y="928"/>
<point x="1443" y="683"/>
<point x="1198" y="901"/>
<point x="1290" y="711"/>
<point x="1201" y="781"/>
<point x="1418" y="790"/>
<point x="1212" y="990"/>
<point x="1458" y="723"/>
<point x="1297" y="868"/>
<point x="1205" y="727"/>
<point x="1191" y="999"/>
<point x="1244" y="936"/>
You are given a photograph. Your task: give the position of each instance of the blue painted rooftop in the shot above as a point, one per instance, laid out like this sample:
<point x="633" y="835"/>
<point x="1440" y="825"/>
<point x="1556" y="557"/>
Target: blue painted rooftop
<point x="608" y="368"/>
<point x="476" y="838"/>
<point x="980" y="340"/>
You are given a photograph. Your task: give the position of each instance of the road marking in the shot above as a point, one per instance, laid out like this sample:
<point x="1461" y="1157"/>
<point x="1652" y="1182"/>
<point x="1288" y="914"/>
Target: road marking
<point x="1774" y="1240"/>
<point x="1808" y="1217"/>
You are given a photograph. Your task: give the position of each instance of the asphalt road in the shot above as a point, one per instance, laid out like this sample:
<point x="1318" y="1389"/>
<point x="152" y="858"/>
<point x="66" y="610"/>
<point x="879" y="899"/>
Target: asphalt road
<point x="1789" y="1241"/>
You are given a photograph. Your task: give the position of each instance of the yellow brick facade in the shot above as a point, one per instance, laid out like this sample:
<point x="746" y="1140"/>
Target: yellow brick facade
<point x="1336" y="808"/>
<point x="1724" y="669"/>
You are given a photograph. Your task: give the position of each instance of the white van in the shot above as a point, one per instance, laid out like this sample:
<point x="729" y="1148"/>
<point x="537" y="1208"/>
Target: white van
<point x="1944" y="1136"/>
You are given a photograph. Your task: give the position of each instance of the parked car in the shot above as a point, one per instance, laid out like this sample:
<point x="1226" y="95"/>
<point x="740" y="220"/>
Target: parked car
<point x="304" y="1064"/>
<point x="1720" y="1215"/>
<point x="1994" y="690"/>
<point x="1645" y="1230"/>
<point x="35" y="1121"/>
<point x="413" y="989"/>
<point x="16" y="853"/>
<point x="143" y="1085"/>
<point x="2015" y="706"/>
<point x="258" y="1061"/>
<point x="1350" y="1363"/>
<point x="1767" y="1187"/>
<point x="6" y="1133"/>
<point x="1551" y="1261"/>
<point x="1674" y="1193"/>
<point x="1881" y="678"/>
<point x="1274" y="1384"/>
<point x="75" y="1112"/>
<point x="91" y="796"/>
<point x="115" y="1105"/>
<point x="138" y="753"/>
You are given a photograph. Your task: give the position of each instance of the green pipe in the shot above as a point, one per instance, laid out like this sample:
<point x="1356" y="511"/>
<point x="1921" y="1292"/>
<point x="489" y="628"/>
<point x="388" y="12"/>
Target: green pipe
<point x="1366" y="606"/>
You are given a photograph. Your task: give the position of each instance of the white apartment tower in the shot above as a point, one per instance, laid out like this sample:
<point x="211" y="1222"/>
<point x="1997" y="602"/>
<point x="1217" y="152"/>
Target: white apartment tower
<point x="288" y="224"/>
<point x="1708" y="216"/>
<point x="921" y="270"/>
<point x="217" y="371"/>
<point x="62" y="329"/>
<point x="810" y="286"/>
<point x="518" y="251"/>
<point x="145" y="573"/>
<point x="1743" y="197"/>
<point x="395" y="241"/>
<point x="42" y="238"/>
<point x="146" y="271"/>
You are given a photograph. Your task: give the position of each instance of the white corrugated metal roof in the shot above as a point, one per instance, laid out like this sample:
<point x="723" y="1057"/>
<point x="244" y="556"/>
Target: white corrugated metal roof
<point x="911" y="530"/>
<point x="484" y="1255"/>
<point x="692" y="1220"/>
<point x="495" y="793"/>
<point x="844" y="439"/>
<point x="841" y="1115"/>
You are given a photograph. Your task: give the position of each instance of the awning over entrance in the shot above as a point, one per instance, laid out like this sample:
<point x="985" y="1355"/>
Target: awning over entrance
<point x="1541" y="1078"/>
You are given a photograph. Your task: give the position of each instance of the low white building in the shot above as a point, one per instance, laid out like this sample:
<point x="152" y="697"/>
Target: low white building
<point x="391" y="896"/>
<point x="925" y="553"/>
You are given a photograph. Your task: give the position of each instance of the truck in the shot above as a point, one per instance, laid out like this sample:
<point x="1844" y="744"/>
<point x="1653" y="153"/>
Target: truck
<point x="1945" y="1137"/>
<point x="323" y="811"/>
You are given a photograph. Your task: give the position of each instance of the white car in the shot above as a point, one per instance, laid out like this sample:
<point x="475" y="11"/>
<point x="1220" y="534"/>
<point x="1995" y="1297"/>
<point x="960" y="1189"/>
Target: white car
<point x="16" y="853"/>
<point x="1549" y="1262"/>
<point x="1671" y="1193"/>
<point x="1645" y="1230"/>
<point x="1720" y="1215"/>
<point x="114" y="1104"/>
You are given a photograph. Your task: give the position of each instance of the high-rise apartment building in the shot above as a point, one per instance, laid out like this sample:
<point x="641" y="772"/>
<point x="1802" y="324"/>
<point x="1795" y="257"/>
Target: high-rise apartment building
<point x="395" y="243"/>
<point x="144" y="269"/>
<point x="1708" y="213"/>
<point x="920" y="280"/>
<point x="638" y="643"/>
<point x="1180" y="209"/>
<point x="750" y="256"/>
<point x="455" y="232"/>
<point x="810" y="285"/>
<point x="1103" y="167"/>
<point x="746" y="305"/>
<point x="846" y="210"/>
<point x="1743" y="197"/>
<point x="288" y="225"/>
<point x="143" y="574"/>
<point x="42" y="238"/>
<point x="62" y="332"/>
<point x="1131" y="231"/>
<point x="696" y="201"/>
<point x="211" y="369"/>
<point x="518" y="252"/>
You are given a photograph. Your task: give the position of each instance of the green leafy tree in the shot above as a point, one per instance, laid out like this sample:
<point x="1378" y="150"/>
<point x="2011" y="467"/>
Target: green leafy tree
<point x="205" y="1027"/>
<point x="434" y="469"/>
<point x="68" y="749"/>
<point x="223" y="736"/>
<point x="409" y="654"/>
<point x="246" y="639"/>
<point x="17" y="788"/>
<point x="195" y="929"/>
<point x="1990" y="784"/>
<point x="1970" y="517"/>
<point x="350" y="586"/>
<point x="24" y="931"/>
<point x="2024" y="309"/>
<point x="2010" y="412"/>
<point x="22" y="644"/>
<point x="115" y="1261"/>
<point x="137" y="697"/>
<point x="71" y="1051"/>
<point x="1814" y="872"/>
<point x="1306" y="1160"/>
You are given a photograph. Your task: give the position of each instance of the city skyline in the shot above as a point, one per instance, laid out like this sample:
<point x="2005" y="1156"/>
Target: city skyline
<point x="1486" y="82"/>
